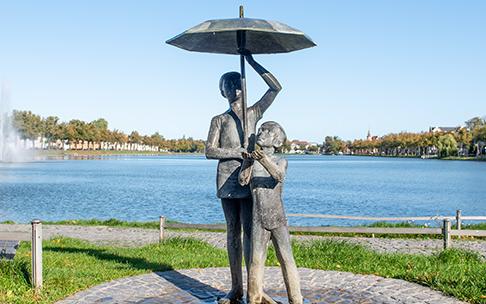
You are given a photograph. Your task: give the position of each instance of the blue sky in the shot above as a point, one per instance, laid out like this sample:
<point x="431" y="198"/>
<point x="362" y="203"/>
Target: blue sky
<point x="389" y="66"/>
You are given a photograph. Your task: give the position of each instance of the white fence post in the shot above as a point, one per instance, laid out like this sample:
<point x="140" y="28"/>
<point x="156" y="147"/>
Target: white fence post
<point x="37" y="254"/>
<point x="446" y="230"/>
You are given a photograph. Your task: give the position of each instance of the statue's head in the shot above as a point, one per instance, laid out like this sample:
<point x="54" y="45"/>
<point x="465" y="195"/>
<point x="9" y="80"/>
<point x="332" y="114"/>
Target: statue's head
<point x="271" y="134"/>
<point x="230" y="85"/>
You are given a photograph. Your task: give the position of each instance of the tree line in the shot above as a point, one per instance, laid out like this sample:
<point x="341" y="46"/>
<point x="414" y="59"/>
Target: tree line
<point x="469" y="140"/>
<point x="94" y="135"/>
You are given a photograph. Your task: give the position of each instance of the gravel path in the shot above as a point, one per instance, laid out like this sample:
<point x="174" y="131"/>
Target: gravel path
<point x="206" y="285"/>
<point x="102" y="235"/>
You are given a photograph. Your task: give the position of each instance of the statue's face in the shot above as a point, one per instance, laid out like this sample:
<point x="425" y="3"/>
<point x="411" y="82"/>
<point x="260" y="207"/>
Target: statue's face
<point x="230" y="91"/>
<point x="265" y="137"/>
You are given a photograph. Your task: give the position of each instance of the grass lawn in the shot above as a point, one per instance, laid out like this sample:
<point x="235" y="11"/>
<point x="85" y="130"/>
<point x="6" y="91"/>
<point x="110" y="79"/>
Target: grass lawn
<point x="73" y="265"/>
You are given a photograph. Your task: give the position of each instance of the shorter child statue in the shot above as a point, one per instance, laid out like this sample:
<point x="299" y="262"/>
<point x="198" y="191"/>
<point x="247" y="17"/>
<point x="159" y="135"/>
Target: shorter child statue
<point x="265" y="173"/>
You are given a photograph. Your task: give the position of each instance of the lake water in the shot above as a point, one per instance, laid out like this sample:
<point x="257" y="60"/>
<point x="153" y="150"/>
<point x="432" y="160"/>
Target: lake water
<point x="182" y="188"/>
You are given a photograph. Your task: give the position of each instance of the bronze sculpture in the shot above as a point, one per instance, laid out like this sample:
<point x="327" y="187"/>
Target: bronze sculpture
<point x="225" y="141"/>
<point x="232" y="134"/>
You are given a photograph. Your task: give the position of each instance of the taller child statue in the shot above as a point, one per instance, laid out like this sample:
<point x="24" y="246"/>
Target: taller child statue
<point x="225" y="143"/>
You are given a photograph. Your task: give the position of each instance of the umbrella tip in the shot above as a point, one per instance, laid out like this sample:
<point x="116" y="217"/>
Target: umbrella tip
<point x="242" y="12"/>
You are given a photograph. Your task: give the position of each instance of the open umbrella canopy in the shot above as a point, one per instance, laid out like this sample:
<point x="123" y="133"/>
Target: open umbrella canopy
<point x="233" y="36"/>
<point x="261" y="37"/>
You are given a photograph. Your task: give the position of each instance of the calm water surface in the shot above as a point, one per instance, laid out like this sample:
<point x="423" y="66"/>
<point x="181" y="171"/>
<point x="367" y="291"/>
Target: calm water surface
<point x="140" y="188"/>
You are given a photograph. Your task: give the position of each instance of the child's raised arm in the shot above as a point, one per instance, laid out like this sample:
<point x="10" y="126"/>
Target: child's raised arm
<point x="274" y="86"/>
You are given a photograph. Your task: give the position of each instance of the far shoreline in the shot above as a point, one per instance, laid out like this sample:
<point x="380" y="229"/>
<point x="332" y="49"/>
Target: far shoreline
<point x="449" y="158"/>
<point x="81" y="153"/>
<point x="62" y="153"/>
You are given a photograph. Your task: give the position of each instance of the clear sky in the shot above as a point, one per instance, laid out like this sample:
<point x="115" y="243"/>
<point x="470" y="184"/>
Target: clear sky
<point x="389" y="66"/>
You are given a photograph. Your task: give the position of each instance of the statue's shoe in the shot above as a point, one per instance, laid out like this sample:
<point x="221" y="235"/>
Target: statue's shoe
<point x="226" y="300"/>
<point x="266" y="299"/>
<point x="235" y="298"/>
<point x="232" y="297"/>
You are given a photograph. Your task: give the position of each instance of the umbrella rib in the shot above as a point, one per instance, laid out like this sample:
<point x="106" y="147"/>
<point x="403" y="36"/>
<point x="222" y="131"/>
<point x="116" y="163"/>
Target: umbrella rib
<point x="242" y="29"/>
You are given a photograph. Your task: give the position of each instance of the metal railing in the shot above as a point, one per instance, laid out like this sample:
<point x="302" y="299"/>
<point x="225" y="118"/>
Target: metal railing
<point x="446" y="230"/>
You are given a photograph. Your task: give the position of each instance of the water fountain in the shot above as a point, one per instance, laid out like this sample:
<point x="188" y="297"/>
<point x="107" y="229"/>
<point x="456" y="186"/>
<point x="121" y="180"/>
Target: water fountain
<point x="10" y="148"/>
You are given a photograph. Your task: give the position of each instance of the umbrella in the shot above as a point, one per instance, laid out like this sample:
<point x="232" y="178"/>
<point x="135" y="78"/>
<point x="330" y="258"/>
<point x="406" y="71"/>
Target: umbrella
<point x="232" y="36"/>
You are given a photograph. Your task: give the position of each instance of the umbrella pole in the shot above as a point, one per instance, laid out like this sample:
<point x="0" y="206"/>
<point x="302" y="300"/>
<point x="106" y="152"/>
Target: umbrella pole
<point x="243" y="102"/>
<point x="241" y="44"/>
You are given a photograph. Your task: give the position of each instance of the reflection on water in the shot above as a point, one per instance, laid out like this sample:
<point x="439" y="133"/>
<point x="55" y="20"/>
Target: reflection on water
<point x="140" y="188"/>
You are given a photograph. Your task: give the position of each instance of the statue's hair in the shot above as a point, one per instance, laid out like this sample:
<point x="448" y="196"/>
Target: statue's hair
<point x="278" y="131"/>
<point x="234" y="77"/>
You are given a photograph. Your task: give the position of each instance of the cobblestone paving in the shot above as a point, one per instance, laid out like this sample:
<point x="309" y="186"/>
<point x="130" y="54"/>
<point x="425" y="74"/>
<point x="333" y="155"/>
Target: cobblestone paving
<point x="136" y="237"/>
<point x="206" y="285"/>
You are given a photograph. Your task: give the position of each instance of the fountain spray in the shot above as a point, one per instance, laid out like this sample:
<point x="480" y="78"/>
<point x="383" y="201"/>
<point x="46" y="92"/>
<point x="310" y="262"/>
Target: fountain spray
<point x="10" y="149"/>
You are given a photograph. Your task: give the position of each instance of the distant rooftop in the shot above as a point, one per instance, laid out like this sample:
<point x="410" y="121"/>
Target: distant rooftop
<point x="444" y="129"/>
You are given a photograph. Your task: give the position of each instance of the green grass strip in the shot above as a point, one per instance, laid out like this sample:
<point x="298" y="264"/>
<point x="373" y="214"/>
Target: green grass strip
<point x="72" y="265"/>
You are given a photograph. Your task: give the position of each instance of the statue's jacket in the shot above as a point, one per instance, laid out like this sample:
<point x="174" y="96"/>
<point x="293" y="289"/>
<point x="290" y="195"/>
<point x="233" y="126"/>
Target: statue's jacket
<point x="226" y="134"/>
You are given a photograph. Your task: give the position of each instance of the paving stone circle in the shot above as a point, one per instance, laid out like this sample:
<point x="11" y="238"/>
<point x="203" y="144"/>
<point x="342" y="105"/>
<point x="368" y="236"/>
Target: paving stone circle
<point x="206" y="285"/>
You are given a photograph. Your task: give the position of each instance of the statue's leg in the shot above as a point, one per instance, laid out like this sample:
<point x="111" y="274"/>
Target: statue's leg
<point x="259" y="243"/>
<point x="246" y="205"/>
<point x="231" y="208"/>
<point x="248" y="222"/>
<point x="281" y="242"/>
